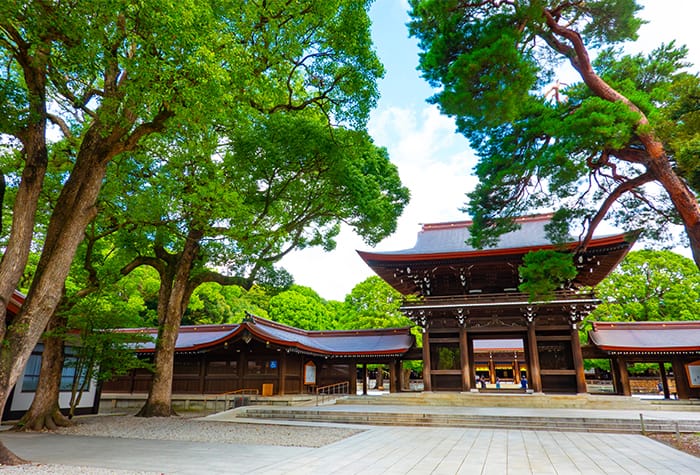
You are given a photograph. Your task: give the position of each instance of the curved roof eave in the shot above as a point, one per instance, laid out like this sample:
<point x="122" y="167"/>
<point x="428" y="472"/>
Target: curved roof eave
<point x="408" y="257"/>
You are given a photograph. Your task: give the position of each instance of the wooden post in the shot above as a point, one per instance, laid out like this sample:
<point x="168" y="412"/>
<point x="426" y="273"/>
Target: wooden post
<point x="464" y="359"/>
<point x="578" y="361"/>
<point x="664" y="380"/>
<point x="392" y="376"/>
<point x="282" y="385"/>
<point x="353" y="378"/>
<point x="427" y="386"/>
<point x="365" y="379"/>
<point x="624" y="377"/>
<point x="615" y="373"/>
<point x="516" y="370"/>
<point x="682" y="384"/>
<point x="534" y="377"/>
<point x="492" y="369"/>
<point x="472" y="369"/>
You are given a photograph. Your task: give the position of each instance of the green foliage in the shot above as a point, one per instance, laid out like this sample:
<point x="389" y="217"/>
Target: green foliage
<point x="301" y="307"/>
<point x="545" y="271"/>
<point x="565" y="147"/>
<point x="650" y="286"/>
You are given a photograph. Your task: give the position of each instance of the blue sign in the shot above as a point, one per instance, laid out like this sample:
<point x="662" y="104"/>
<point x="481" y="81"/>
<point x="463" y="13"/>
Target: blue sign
<point x="273" y="364"/>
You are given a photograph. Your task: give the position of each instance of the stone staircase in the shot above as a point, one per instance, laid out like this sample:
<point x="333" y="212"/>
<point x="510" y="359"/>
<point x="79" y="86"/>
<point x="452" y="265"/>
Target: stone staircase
<point x="530" y="400"/>
<point x="569" y="424"/>
<point x="432" y="409"/>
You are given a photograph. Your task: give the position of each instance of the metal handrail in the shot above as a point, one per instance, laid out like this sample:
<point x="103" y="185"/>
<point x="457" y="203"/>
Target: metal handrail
<point x="342" y="387"/>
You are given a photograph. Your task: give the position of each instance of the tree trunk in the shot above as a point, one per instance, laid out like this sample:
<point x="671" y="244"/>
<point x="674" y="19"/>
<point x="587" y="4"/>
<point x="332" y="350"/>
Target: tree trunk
<point x="44" y="413"/>
<point x="173" y="298"/>
<point x="74" y="210"/>
<point x="33" y="60"/>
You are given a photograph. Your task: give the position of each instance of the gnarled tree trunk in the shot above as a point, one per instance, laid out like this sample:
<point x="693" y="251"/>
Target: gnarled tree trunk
<point x="173" y="298"/>
<point x="45" y="413"/>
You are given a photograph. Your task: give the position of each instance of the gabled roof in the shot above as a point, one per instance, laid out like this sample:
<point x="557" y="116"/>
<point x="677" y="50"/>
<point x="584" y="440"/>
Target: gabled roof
<point x="442" y="263"/>
<point x="646" y="337"/>
<point x="451" y="240"/>
<point x="380" y="342"/>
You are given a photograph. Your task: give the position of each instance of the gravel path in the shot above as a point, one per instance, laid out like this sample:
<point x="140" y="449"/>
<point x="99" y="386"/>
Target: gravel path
<point x="183" y="428"/>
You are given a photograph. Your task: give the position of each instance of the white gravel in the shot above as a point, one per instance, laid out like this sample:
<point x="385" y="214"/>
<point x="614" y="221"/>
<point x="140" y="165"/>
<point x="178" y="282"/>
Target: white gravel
<point x="183" y="428"/>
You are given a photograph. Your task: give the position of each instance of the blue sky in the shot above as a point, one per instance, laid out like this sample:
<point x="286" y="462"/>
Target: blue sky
<point x="434" y="161"/>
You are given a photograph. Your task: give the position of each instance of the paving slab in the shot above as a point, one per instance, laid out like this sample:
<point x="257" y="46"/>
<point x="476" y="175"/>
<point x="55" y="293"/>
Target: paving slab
<point x="378" y="450"/>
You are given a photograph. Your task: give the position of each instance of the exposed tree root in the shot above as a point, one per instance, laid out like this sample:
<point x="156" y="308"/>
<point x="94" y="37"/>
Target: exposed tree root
<point x="156" y="410"/>
<point x="7" y="457"/>
<point x="50" y="421"/>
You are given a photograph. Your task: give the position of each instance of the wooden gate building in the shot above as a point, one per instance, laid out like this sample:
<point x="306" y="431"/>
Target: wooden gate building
<point x="469" y="295"/>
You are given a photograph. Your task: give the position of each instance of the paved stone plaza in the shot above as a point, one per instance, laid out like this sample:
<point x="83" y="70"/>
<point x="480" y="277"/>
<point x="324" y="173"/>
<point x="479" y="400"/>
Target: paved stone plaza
<point x="377" y="450"/>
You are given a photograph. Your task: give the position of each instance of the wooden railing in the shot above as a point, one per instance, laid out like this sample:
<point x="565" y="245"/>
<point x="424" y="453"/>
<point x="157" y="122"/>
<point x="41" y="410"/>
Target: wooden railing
<point x="335" y="389"/>
<point x="227" y="397"/>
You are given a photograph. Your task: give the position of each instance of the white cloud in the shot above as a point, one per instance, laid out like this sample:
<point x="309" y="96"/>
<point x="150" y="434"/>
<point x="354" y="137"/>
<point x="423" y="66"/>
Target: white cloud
<point x="433" y="162"/>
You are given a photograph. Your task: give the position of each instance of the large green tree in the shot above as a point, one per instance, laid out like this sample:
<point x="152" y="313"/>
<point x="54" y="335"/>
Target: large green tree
<point x="226" y="208"/>
<point x="621" y="143"/>
<point x="109" y="75"/>
<point x="650" y="286"/>
<point x="302" y="307"/>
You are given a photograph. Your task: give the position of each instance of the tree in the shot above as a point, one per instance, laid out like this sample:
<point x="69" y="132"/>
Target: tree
<point x="650" y="286"/>
<point x="114" y="79"/>
<point x="622" y="143"/>
<point x="296" y="178"/>
<point x="301" y="307"/>
<point x="109" y="80"/>
<point x="374" y="304"/>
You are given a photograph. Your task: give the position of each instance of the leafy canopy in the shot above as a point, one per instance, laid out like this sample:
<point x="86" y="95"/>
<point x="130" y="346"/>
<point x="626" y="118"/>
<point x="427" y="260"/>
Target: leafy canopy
<point x="619" y="144"/>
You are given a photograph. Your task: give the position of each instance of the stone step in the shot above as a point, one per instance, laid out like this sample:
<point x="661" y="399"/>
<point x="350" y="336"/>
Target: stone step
<point x="581" y="401"/>
<point x="464" y="420"/>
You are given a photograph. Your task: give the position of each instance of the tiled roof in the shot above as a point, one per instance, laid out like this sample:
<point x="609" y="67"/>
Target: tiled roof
<point x="646" y="337"/>
<point x="387" y="341"/>
<point x="444" y="239"/>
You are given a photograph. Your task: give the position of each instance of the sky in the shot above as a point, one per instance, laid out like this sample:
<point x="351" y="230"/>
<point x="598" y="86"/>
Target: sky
<point x="434" y="161"/>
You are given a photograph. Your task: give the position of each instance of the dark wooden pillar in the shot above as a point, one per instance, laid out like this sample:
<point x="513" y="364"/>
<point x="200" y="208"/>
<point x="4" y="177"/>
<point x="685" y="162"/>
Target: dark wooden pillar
<point x="202" y="374"/>
<point x="682" y="384"/>
<point x="392" y="376"/>
<point x="282" y="386"/>
<point x="427" y="383"/>
<point x="464" y="359"/>
<point x="664" y="380"/>
<point x="353" y="378"/>
<point x="619" y="367"/>
<point x="492" y="369"/>
<point x="578" y="362"/>
<point x="472" y="369"/>
<point x="516" y="369"/>
<point x="365" y="379"/>
<point x="534" y="378"/>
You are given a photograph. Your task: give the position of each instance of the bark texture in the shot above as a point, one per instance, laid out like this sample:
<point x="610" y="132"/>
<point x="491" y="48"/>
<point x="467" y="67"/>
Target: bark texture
<point x="174" y="295"/>
<point x="45" y="413"/>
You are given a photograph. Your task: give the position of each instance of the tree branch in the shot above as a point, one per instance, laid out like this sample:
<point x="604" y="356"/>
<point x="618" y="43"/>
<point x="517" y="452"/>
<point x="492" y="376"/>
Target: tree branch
<point x="612" y="197"/>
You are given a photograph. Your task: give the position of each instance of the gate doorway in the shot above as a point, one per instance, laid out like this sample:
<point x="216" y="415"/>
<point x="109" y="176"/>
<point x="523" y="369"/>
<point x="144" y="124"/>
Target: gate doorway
<point x="499" y="363"/>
